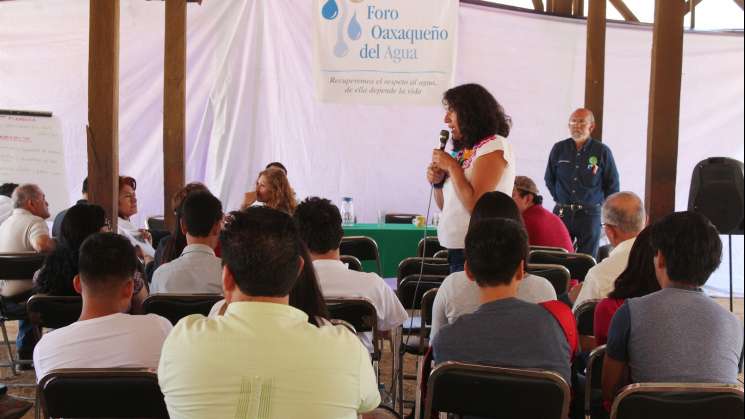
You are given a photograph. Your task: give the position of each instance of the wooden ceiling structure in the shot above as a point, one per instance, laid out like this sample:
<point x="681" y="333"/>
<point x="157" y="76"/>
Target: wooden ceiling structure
<point x="663" y="112"/>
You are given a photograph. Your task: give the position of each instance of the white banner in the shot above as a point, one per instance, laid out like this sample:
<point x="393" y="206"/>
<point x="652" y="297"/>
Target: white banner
<point x="384" y="52"/>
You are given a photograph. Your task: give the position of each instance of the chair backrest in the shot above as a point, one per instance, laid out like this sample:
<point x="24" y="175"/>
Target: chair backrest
<point x="604" y="252"/>
<point x="585" y="316"/>
<point x="441" y="254"/>
<point x="20" y="265"/>
<point x="432" y="246"/>
<point x="361" y="314"/>
<point x="176" y="306"/>
<point x="411" y="290"/>
<point x="678" y="400"/>
<point x="427" y="266"/>
<point x="352" y="262"/>
<point x="479" y="390"/>
<point x="577" y="263"/>
<point x="548" y="248"/>
<point x="54" y="311"/>
<point x="557" y="275"/>
<point x="157" y="222"/>
<point x="400" y="218"/>
<point x="98" y="393"/>
<point x="362" y="247"/>
<point x="593" y="378"/>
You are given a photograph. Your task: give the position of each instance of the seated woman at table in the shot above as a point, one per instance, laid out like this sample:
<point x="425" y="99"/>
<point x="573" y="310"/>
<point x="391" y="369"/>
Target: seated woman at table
<point x="637" y="280"/>
<point x="140" y="238"/>
<point x="481" y="161"/>
<point x="273" y="190"/>
<point x="60" y="267"/>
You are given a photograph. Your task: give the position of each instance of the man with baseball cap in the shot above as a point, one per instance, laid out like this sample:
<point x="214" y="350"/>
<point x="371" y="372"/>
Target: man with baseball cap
<point x="544" y="227"/>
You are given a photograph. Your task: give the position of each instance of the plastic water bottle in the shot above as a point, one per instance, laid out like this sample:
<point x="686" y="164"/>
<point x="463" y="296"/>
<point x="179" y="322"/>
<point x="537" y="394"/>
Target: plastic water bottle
<point x="347" y="211"/>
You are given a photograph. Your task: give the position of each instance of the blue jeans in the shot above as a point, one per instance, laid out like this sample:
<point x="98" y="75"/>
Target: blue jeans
<point x="456" y="260"/>
<point x="584" y="226"/>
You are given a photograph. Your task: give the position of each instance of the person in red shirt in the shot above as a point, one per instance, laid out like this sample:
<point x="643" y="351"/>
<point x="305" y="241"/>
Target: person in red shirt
<point x="637" y="280"/>
<point x="544" y="227"/>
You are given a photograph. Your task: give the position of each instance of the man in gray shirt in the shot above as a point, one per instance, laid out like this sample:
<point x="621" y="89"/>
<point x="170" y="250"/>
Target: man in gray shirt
<point x="677" y="334"/>
<point x="503" y="331"/>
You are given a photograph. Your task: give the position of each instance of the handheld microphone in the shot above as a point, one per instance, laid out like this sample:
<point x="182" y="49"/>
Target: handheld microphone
<point x="444" y="136"/>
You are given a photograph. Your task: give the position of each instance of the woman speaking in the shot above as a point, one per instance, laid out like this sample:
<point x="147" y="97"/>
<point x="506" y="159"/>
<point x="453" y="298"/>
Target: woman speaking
<point x="481" y="161"/>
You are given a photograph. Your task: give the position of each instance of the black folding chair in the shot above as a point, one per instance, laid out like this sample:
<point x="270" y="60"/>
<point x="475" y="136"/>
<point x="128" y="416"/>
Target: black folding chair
<point x="400" y="218"/>
<point x="53" y="312"/>
<point x="411" y="292"/>
<point x="480" y="390"/>
<point x="548" y="248"/>
<point x="441" y="254"/>
<point x="593" y="380"/>
<point x="585" y="317"/>
<point x="604" y="252"/>
<point x="427" y="266"/>
<point x="679" y="401"/>
<point x="101" y="393"/>
<point x="16" y="267"/>
<point x="176" y="306"/>
<point x="352" y="262"/>
<point x="577" y="263"/>
<point x="557" y="275"/>
<point x="432" y="246"/>
<point x="361" y="314"/>
<point x="363" y="248"/>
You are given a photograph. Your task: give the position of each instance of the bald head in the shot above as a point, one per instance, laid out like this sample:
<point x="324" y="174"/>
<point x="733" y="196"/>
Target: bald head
<point x="581" y="124"/>
<point x="623" y="213"/>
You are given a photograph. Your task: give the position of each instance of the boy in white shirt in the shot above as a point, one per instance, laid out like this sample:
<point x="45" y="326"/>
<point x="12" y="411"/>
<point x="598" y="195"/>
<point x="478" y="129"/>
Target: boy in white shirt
<point x="104" y="336"/>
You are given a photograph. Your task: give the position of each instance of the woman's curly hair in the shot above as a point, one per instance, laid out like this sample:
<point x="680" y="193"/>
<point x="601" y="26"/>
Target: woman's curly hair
<point x="281" y="195"/>
<point x="479" y="114"/>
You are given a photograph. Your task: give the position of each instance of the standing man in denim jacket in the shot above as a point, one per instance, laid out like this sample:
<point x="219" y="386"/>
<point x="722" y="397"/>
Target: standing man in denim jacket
<point x="580" y="174"/>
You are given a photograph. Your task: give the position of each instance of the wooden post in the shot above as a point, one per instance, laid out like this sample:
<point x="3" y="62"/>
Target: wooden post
<point x="664" y="107"/>
<point x="578" y="8"/>
<point x="561" y="7"/>
<point x="595" y="63"/>
<point x="174" y="105"/>
<point x="103" y="107"/>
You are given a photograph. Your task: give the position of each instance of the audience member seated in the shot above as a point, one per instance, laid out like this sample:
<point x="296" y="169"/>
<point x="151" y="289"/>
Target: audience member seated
<point x="25" y="231"/>
<point x="544" y="227"/>
<point x="197" y="270"/>
<point x="6" y="204"/>
<point x="458" y="295"/>
<point x="60" y="267"/>
<point x="319" y="223"/>
<point x="637" y="280"/>
<point x="104" y="337"/>
<point x="263" y="357"/>
<point x="171" y="246"/>
<point x="273" y="190"/>
<point x="677" y="334"/>
<point x="623" y="218"/>
<point x="505" y="331"/>
<point x="57" y="225"/>
<point x="139" y="237"/>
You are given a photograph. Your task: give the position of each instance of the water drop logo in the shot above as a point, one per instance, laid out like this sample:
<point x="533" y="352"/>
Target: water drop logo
<point x="330" y="10"/>
<point x="354" y="30"/>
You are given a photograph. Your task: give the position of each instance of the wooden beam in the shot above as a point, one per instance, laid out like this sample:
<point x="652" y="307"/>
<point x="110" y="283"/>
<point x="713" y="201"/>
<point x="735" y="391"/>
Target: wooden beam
<point x="595" y="63"/>
<point x="538" y="5"/>
<point x="561" y="7"/>
<point x="624" y="10"/>
<point x="174" y="105"/>
<point x="578" y="8"/>
<point x="664" y="107"/>
<point x="691" y="4"/>
<point x="103" y="107"/>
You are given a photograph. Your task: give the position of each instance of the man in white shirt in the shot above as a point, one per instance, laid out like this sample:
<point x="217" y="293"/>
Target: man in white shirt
<point x="623" y="217"/>
<point x="263" y="358"/>
<point x="319" y="222"/>
<point x="6" y="204"/>
<point x="459" y="295"/>
<point x="104" y="337"/>
<point x="197" y="270"/>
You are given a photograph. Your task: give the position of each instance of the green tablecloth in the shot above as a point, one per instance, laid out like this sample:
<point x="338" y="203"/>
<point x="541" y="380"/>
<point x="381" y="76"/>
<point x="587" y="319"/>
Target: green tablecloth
<point x="396" y="242"/>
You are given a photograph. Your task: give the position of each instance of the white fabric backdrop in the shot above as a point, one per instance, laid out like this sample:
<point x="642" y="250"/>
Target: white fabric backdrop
<point x="250" y="99"/>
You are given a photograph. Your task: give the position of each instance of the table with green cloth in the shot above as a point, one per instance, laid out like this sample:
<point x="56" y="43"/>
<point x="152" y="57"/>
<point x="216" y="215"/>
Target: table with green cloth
<point x="396" y="242"/>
